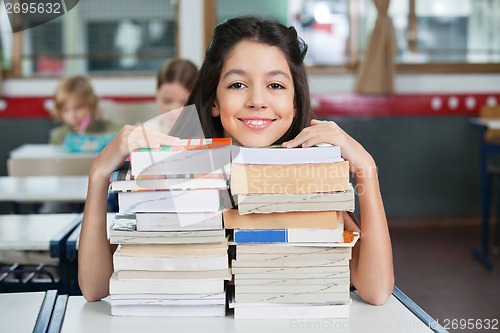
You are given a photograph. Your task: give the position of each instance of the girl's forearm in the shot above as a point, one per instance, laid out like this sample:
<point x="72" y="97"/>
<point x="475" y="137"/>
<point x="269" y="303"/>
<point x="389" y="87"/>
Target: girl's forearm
<point x="373" y="275"/>
<point x="94" y="253"/>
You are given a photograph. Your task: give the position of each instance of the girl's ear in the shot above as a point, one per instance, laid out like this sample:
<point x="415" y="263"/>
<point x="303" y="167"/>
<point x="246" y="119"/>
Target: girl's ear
<point x="215" y="110"/>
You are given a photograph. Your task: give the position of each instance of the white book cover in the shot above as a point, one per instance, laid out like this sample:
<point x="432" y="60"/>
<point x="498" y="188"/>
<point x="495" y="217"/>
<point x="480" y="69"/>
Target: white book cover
<point x="290" y="311"/>
<point x="294" y="282"/>
<point x="298" y="264"/>
<point x="174" y="221"/>
<point x="247" y="278"/>
<point x="279" y="155"/>
<point x="145" y="310"/>
<point x="121" y="262"/>
<point x="169" y="201"/>
<point x="165" y="286"/>
<point x="166" y="237"/>
<point x="168" y="299"/>
<point x="299" y="202"/>
<point x="221" y="274"/>
<point x="294" y="297"/>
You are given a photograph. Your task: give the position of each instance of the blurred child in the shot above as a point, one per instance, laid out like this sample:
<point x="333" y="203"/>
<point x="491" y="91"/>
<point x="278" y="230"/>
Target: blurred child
<point x="174" y="83"/>
<point x="76" y="107"/>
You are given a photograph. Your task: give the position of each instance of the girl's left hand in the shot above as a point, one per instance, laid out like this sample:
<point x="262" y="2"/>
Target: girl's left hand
<point x="329" y="132"/>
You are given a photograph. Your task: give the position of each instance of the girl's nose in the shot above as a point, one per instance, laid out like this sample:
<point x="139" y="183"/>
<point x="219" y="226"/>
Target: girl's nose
<point x="256" y="99"/>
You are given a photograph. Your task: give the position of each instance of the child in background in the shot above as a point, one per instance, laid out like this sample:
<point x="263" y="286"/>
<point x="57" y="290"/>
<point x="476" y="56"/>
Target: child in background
<point x="253" y="88"/>
<point x="174" y="83"/>
<point x="76" y="107"/>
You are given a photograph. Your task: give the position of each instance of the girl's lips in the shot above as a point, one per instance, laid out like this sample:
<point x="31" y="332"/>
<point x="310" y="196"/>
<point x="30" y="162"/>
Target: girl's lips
<point x="257" y="123"/>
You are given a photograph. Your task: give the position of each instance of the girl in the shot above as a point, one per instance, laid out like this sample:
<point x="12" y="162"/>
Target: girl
<point x="76" y="106"/>
<point x="253" y="88"/>
<point x="174" y="83"/>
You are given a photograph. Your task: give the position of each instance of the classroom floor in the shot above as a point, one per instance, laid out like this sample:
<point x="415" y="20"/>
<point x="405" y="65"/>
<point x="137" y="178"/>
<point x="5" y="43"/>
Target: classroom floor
<point x="435" y="267"/>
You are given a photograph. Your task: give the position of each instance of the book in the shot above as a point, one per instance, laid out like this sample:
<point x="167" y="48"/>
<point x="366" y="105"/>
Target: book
<point x="297" y="264"/>
<point x="291" y="257"/>
<point x="178" y="221"/>
<point x="285" y="249"/>
<point x="166" y="237"/>
<point x="169" y="201"/>
<point x="341" y="279"/>
<point x="165" y="286"/>
<point x="197" y="156"/>
<point x="306" y="202"/>
<point x="290" y="288"/>
<point x="287" y="274"/>
<point x="281" y="271"/>
<point x="174" y="250"/>
<point x="168" y="299"/>
<point x="181" y="263"/>
<point x="224" y="274"/>
<point x="328" y="297"/>
<point x="146" y="310"/>
<point x="289" y="311"/>
<point x="288" y="235"/>
<point x="289" y="179"/>
<point x="279" y="155"/>
<point x="171" y="184"/>
<point x="297" y="220"/>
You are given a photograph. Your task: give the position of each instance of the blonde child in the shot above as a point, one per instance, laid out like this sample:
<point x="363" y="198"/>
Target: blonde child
<point x="253" y="88"/>
<point x="76" y="107"/>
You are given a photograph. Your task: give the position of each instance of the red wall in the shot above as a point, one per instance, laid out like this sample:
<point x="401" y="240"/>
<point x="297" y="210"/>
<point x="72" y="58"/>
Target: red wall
<point x="324" y="105"/>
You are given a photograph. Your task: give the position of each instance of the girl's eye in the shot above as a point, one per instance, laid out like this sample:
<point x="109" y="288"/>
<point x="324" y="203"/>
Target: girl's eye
<point x="236" y="85"/>
<point x="276" y="86"/>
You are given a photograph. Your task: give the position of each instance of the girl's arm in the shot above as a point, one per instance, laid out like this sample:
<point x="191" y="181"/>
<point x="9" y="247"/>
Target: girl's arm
<point x="95" y="263"/>
<point x="372" y="271"/>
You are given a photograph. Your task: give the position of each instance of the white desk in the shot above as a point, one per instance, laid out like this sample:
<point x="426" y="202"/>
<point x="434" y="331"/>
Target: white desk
<point x="20" y="311"/>
<point x="43" y="189"/>
<point x="47" y="160"/>
<point x="33" y="231"/>
<point x="96" y="317"/>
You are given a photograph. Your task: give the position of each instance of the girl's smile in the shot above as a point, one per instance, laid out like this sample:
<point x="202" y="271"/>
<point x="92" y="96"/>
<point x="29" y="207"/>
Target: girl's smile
<point x="255" y="94"/>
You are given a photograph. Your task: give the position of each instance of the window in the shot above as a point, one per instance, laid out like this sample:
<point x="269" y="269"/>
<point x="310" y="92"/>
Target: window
<point x="102" y="36"/>
<point x="440" y="31"/>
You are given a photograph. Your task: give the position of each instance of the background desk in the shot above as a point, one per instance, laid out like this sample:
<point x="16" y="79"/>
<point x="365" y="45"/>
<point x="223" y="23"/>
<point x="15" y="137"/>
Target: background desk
<point x="26" y="312"/>
<point x="47" y="160"/>
<point x="39" y="189"/>
<point x="394" y="316"/>
<point x="37" y="232"/>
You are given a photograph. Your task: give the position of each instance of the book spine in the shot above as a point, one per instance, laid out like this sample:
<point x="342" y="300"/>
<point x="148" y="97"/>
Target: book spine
<point x="260" y="236"/>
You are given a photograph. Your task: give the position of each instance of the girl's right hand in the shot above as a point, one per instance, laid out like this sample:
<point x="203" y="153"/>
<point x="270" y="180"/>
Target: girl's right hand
<point x="126" y="140"/>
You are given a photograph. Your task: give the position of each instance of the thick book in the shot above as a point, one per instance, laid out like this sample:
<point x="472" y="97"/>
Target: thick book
<point x="307" y="202"/>
<point x="196" y="156"/>
<point x="340" y="278"/>
<point x="188" y="201"/>
<point x="289" y="288"/>
<point x="289" y="179"/>
<point x="304" y="264"/>
<point x="168" y="299"/>
<point x="290" y="271"/>
<point x="290" y="311"/>
<point x="224" y="274"/>
<point x="172" y="184"/>
<point x="162" y="286"/>
<point x="178" y="221"/>
<point x="297" y="297"/>
<point x="146" y="310"/>
<point x="171" y="263"/>
<point x="288" y="235"/>
<point x="174" y="250"/>
<point x="279" y="155"/>
<point x="292" y="257"/>
<point x="166" y="237"/>
<point x="297" y="220"/>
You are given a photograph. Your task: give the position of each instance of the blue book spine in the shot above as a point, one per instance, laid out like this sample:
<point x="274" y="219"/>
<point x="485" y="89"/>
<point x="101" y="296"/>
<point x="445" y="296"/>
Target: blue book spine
<point x="260" y="236"/>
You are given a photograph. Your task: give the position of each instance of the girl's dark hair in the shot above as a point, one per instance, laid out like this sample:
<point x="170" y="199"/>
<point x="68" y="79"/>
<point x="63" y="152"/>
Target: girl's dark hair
<point x="226" y="36"/>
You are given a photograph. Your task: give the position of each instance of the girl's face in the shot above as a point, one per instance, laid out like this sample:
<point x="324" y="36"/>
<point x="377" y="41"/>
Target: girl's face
<point x="171" y="96"/>
<point x="255" y="95"/>
<point x="73" y="113"/>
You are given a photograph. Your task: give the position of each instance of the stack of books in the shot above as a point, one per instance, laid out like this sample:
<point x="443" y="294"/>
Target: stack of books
<point x="292" y="254"/>
<point x="172" y="257"/>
